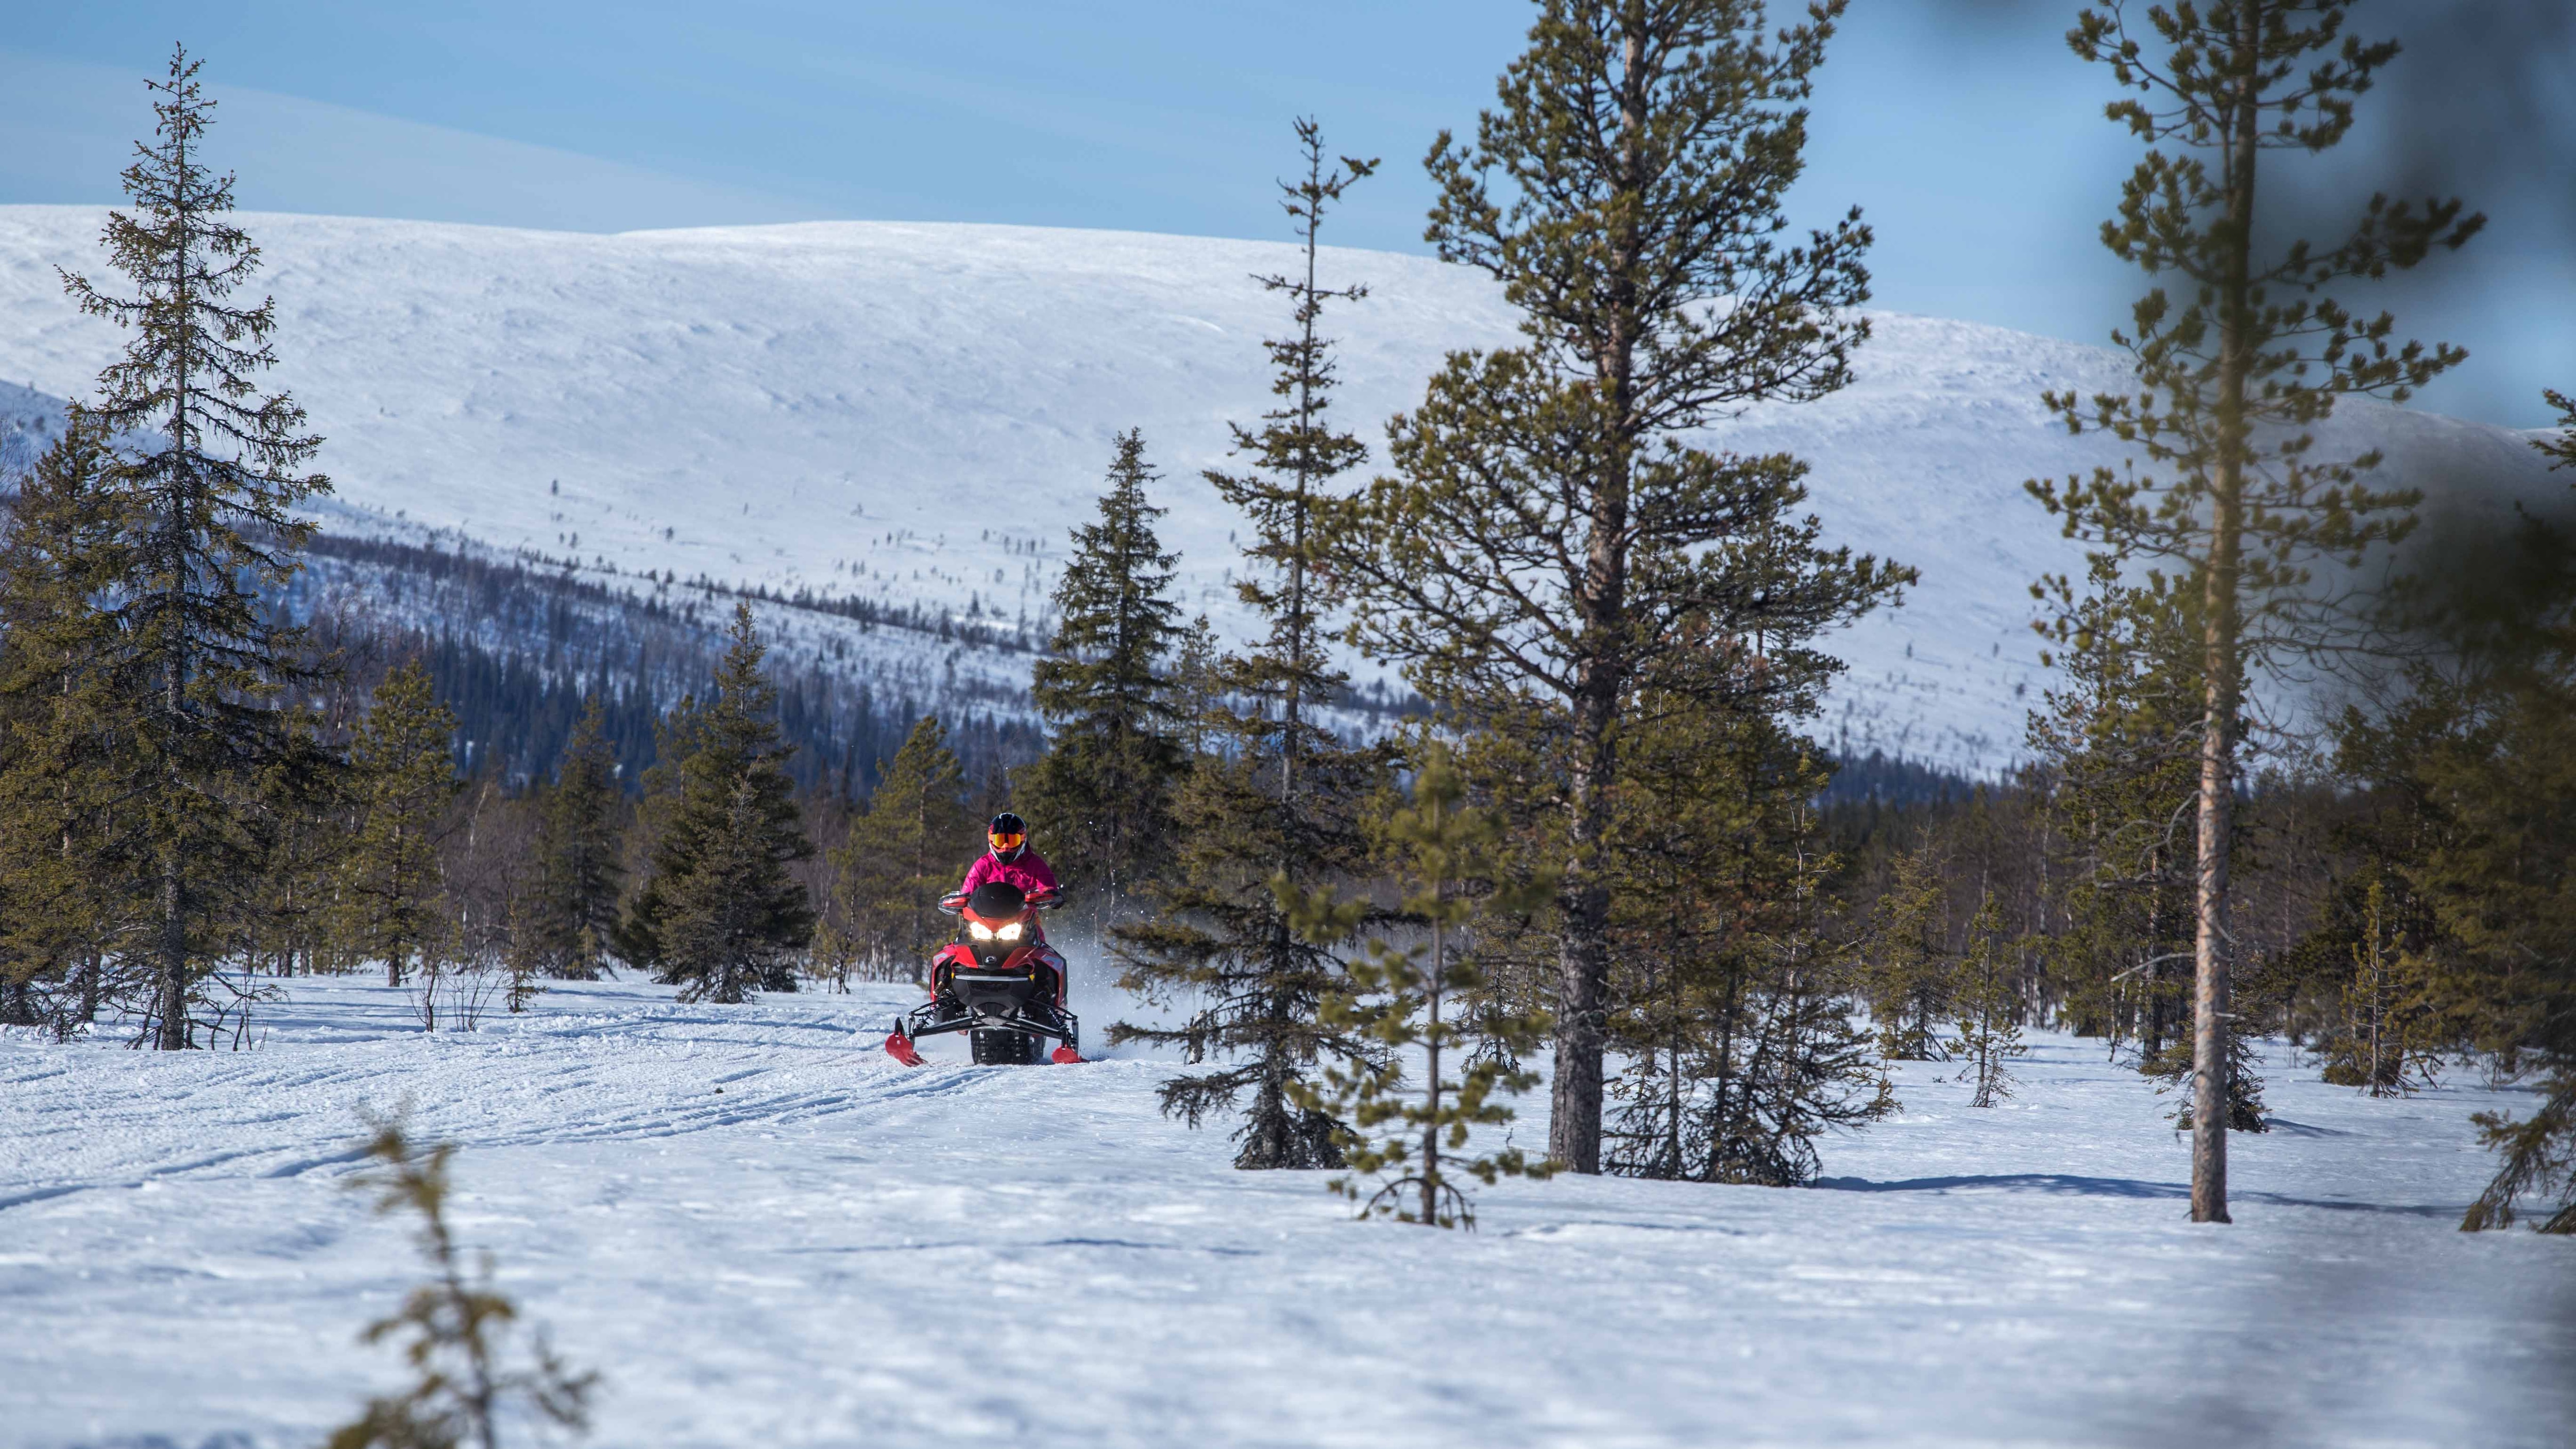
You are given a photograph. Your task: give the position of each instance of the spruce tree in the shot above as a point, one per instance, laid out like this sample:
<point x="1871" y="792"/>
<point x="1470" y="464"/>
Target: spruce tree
<point x="206" y="476"/>
<point x="1293" y="457"/>
<point x="392" y="882"/>
<point x="1274" y="800"/>
<point x="60" y="548"/>
<point x="570" y="912"/>
<point x="730" y="912"/>
<point x="1102" y="792"/>
<point x="1549" y="530"/>
<point x="677" y="735"/>
<point x="2231" y="377"/>
<point x="1413" y="999"/>
<point x="1219" y="942"/>
<point x="902" y="854"/>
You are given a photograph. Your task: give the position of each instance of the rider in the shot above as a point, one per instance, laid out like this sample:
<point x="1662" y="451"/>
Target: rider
<point x="1010" y="860"/>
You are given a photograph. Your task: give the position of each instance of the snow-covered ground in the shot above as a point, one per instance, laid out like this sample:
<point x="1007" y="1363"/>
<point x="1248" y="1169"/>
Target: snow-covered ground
<point x="917" y="413"/>
<point x="765" y="1233"/>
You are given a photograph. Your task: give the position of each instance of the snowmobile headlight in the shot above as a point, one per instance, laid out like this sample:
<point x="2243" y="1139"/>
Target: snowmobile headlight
<point x="979" y="930"/>
<point x="1010" y="932"/>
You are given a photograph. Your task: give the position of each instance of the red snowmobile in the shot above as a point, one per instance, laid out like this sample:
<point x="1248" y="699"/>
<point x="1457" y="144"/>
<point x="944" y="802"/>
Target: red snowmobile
<point x="998" y="980"/>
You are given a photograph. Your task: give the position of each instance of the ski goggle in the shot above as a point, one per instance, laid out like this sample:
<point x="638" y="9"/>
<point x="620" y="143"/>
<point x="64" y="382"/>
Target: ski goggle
<point x="1003" y="842"/>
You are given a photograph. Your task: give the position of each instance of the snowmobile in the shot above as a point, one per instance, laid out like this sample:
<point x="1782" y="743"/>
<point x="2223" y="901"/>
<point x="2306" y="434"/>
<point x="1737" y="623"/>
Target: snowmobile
<point x="995" y="982"/>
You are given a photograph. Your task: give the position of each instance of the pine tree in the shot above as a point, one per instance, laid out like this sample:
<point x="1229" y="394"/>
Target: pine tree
<point x="188" y="658"/>
<point x="2121" y="737"/>
<point x="2386" y="1044"/>
<point x="456" y="1329"/>
<point x="2473" y="763"/>
<point x="1734" y="1012"/>
<point x="1102" y="792"/>
<point x="901" y="856"/>
<point x="2230" y="380"/>
<point x="570" y="913"/>
<point x="310" y="799"/>
<point x="730" y="913"/>
<point x="2563" y="447"/>
<point x="1908" y="963"/>
<point x="1989" y="1008"/>
<point x="1408" y="999"/>
<point x="1549" y="530"/>
<point x="392" y="898"/>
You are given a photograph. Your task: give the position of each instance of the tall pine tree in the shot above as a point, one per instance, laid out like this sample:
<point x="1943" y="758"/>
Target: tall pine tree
<point x="731" y="914"/>
<point x="1101" y="795"/>
<point x="1549" y="534"/>
<point x="2232" y="375"/>
<point x="207" y="475"/>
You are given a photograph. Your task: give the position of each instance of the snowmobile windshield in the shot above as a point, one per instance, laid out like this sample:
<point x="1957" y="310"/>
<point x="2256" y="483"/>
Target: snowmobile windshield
<point x="996" y="915"/>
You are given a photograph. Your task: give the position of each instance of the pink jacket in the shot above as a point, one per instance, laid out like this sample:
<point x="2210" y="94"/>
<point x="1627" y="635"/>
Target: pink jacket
<point x="1029" y="872"/>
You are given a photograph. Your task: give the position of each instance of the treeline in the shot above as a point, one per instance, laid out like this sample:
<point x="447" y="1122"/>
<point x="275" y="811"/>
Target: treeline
<point x="2402" y="908"/>
<point x="516" y="650"/>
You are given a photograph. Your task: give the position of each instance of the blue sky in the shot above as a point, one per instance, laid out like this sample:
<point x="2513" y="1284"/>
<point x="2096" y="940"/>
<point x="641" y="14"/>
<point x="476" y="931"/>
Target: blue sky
<point x="1964" y="128"/>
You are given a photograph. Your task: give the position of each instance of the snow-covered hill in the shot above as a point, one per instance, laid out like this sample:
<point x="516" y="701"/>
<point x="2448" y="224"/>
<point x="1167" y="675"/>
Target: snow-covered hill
<point x="764" y="1233"/>
<point x="918" y="413"/>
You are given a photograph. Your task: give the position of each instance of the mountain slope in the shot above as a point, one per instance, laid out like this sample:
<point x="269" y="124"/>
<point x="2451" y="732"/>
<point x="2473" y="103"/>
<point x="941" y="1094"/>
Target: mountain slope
<point x="915" y="414"/>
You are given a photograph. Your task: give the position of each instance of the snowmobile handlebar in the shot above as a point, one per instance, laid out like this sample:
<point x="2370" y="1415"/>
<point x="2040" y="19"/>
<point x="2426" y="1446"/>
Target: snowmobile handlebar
<point x="954" y="903"/>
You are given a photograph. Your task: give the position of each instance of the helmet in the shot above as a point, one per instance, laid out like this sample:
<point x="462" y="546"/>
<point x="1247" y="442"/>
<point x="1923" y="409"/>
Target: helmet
<point x="1009" y="835"/>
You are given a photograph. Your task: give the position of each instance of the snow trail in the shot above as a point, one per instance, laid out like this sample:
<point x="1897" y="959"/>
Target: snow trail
<point x="764" y="1232"/>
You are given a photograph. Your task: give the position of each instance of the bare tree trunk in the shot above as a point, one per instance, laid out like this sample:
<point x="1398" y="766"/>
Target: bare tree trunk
<point x="170" y="995"/>
<point x="2221" y="655"/>
<point x="1583" y="954"/>
<point x="1583" y="949"/>
<point x="1431" y="1074"/>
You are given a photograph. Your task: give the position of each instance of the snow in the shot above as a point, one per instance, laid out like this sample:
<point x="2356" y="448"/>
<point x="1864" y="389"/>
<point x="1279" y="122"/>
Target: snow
<point x="893" y="410"/>
<point x="764" y="1232"/>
